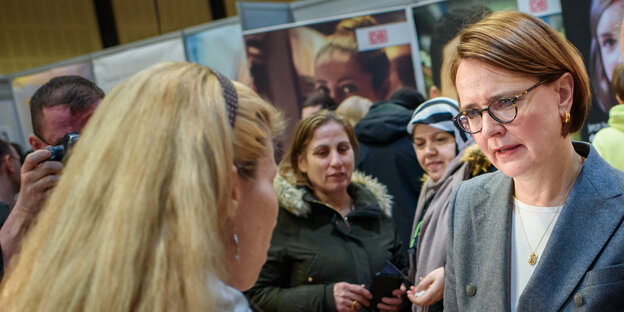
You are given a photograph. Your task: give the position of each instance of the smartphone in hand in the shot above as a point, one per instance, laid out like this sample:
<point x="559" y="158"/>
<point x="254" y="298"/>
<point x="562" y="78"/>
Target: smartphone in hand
<point x="385" y="281"/>
<point x="382" y="286"/>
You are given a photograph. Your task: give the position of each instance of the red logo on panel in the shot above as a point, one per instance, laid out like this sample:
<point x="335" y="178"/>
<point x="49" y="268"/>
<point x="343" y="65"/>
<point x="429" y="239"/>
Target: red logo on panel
<point x="378" y="36"/>
<point x="538" y="6"/>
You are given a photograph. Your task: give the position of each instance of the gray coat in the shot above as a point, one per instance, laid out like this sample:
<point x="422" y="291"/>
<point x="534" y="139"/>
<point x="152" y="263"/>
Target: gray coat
<point x="582" y="268"/>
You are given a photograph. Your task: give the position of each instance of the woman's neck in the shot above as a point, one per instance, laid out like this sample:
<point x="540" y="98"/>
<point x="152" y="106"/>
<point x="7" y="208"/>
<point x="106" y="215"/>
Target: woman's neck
<point x="549" y="186"/>
<point x="339" y="201"/>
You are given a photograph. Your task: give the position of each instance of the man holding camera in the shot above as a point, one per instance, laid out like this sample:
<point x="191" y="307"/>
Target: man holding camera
<point x="62" y="105"/>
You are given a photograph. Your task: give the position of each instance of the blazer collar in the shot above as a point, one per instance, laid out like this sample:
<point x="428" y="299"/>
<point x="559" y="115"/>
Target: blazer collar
<point x="585" y="224"/>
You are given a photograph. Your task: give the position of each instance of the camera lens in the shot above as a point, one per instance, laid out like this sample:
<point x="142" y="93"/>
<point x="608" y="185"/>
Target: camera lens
<point x="58" y="152"/>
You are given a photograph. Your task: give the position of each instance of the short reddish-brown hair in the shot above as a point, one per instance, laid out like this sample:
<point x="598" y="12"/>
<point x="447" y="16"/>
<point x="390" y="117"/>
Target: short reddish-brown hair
<point x="525" y="44"/>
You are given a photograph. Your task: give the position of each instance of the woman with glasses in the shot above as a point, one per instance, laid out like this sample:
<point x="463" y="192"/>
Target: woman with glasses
<point x="448" y="156"/>
<point x="545" y="232"/>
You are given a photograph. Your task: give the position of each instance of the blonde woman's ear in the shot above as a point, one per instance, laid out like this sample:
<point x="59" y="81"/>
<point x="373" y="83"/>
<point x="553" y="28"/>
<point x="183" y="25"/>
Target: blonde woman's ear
<point x="236" y="194"/>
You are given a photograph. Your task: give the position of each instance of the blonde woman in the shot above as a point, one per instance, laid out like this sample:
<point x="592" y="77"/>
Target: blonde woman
<point x="166" y="203"/>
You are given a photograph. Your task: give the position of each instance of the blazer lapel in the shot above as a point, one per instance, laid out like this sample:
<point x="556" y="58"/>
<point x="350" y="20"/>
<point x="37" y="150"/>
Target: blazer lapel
<point x="492" y="222"/>
<point x="585" y="224"/>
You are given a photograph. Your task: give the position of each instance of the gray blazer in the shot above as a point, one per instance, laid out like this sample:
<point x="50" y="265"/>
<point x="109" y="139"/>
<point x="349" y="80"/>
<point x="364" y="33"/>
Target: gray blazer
<point x="582" y="267"/>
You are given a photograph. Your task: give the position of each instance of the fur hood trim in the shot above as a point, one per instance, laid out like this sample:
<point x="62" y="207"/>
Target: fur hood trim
<point x="291" y="197"/>
<point x="477" y="162"/>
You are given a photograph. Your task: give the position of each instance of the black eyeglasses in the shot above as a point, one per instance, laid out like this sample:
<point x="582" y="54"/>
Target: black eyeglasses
<point x="503" y="110"/>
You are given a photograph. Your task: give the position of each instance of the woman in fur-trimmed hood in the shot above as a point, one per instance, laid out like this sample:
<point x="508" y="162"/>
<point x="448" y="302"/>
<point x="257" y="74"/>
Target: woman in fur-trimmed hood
<point x="448" y="157"/>
<point x="334" y="230"/>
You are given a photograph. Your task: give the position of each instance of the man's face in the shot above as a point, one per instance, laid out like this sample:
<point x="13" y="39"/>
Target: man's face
<point x="56" y="121"/>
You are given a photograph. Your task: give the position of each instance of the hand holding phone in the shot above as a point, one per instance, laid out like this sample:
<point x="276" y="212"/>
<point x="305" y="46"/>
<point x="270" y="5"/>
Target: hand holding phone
<point x="382" y="286"/>
<point x="388" y="279"/>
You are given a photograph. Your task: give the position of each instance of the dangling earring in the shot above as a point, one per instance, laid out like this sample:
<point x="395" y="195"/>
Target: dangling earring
<point x="236" y="243"/>
<point x="566" y="119"/>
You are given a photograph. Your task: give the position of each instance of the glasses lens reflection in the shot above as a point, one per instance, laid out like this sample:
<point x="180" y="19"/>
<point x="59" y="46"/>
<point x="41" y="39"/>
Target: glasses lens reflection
<point x="504" y="110"/>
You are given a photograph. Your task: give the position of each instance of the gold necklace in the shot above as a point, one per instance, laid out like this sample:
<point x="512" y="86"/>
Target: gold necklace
<point x="533" y="256"/>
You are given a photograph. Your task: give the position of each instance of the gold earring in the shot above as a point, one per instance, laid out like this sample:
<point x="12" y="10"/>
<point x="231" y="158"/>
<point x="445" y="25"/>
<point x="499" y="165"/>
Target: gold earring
<point x="566" y="119"/>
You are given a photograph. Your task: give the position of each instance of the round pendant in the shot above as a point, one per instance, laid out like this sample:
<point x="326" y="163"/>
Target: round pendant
<point x="532" y="259"/>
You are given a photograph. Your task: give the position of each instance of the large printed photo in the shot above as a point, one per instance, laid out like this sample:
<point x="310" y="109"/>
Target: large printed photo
<point x="367" y="55"/>
<point x="439" y="23"/>
<point x="594" y="28"/>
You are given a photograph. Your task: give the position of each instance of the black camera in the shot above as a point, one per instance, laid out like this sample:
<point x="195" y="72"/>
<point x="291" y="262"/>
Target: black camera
<point x="59" y="151"/>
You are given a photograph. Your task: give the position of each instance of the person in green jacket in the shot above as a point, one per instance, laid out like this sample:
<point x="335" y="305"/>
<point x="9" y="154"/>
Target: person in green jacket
<point x="609" y="142"/>
<point x="334" y="229"/>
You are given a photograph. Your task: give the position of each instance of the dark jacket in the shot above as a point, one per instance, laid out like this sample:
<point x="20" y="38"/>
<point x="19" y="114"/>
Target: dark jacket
<point x="313" y="248"/>
<point x="387" y="153"/>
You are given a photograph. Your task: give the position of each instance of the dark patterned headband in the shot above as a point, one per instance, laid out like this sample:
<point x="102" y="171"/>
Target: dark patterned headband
<point x="229" y="94"/>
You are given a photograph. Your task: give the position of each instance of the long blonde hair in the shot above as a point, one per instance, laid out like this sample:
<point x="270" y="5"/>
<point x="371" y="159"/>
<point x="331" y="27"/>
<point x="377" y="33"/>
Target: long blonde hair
<point x="137" y="221"/>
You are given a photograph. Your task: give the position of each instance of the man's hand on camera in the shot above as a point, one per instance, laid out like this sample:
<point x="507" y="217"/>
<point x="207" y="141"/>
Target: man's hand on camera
<point x="38" y="180"/>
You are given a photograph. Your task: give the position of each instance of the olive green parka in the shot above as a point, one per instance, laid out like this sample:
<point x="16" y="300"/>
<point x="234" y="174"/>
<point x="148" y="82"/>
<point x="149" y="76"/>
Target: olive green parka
<point x="313" y="247"/>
